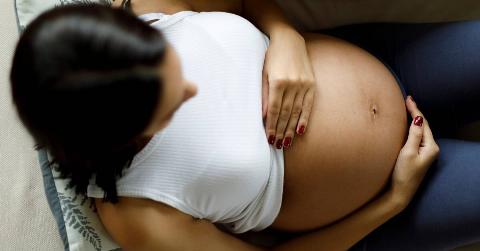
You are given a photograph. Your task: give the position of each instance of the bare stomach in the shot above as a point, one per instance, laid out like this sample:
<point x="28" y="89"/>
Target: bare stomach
<point x="356" y="129"/>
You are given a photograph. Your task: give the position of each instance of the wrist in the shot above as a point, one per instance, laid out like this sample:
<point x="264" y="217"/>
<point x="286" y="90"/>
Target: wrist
<point x="396" y="201"/>
<point x="280" y="31"/>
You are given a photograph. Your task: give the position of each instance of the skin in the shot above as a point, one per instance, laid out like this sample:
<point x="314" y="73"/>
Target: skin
<point x="287" y="88"/>
<point x="358" y="126"/>
<point x="356" y="129"/>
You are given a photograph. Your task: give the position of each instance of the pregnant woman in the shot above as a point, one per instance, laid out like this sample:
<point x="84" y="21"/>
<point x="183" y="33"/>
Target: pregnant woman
<point x="185" y="165"/>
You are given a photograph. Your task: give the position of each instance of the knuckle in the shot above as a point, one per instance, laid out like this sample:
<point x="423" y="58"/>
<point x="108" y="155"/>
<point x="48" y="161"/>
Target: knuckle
<point x="290" y="79"/>
<point x="279" y="135"/>
<point x="272" y="120"/>
<point x="289" y="132"/>
<point x="294" y="79"/>
<point x="308" y="81"/>
<point x="271" y="114"/>
<point x="271" y="131"/>
<point x="408" y="153"/>
<point x="284" y="116"/>
<point x="273" y="109"/>
<point x="296" y="111"/>
<point x="306" y="109"/>
<point x="279" y="84"/>
<point x="286" y="110"/>
<point x="303" y="81"/>
<point x="293" y="91"/>
<point x="275" y="80"/>
<point x="416" y="133"/>
<point x="297" y="107"/>
<point x="300" y="81"/>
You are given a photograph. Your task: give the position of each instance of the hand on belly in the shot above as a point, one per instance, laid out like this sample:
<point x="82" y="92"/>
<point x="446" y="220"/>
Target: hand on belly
<point x="357" y="127"/>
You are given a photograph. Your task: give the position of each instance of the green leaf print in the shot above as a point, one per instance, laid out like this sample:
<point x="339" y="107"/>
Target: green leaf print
<point x="74" y="216"/>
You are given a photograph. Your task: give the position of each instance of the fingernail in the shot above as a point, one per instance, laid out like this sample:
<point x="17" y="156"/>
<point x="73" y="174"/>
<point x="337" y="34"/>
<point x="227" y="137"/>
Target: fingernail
<point x="418" y="121"/>
<point x="279" y="144"/>
<point x="271" y="139"/>
<point x="412" y="99"/>
<point x="287" y="141"/>
<point x="301" y="130"/>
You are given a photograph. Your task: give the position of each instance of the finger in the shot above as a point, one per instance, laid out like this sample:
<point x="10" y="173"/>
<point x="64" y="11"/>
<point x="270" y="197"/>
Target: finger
<point x="413" y="108"/>
<point x="294" y="117"/>
<point x="264" y="94"/>
<point x="275" y="96"/>
<point x="428" y="152"/>
<point x="306" y="111"/>
<point x="427" y="134"/>
<point x="429" y="149"/>
<point x="428" y="139"/>
<point x="415" y="134"/>
<point x="285" y="112"/>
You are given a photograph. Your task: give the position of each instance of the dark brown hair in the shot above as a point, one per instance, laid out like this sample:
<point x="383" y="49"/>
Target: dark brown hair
<point x="85" y="84"/>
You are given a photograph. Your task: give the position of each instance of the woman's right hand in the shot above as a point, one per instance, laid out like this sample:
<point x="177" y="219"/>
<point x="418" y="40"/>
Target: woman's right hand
<point x="414" y="158"/>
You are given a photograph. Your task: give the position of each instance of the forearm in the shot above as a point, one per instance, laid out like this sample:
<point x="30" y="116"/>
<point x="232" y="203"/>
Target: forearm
<point x="267" y="16"/>
<point x="344" y="234"/>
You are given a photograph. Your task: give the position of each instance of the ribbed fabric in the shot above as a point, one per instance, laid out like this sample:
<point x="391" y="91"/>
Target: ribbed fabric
<point x="213" y="160"/>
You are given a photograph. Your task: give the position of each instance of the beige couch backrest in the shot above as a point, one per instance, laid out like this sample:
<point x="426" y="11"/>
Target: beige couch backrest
<point x="318" y="14"/>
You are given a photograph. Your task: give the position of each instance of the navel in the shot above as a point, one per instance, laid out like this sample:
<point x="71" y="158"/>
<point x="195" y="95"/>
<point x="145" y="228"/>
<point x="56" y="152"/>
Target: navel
<point x="374" y="111"/>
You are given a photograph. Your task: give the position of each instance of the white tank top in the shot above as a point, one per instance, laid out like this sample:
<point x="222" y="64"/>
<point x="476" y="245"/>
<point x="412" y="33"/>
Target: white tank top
<point x="213" y="160"/>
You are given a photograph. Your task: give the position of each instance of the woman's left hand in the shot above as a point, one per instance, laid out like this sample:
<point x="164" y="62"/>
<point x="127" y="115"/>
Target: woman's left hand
<point x="288" y="88"/>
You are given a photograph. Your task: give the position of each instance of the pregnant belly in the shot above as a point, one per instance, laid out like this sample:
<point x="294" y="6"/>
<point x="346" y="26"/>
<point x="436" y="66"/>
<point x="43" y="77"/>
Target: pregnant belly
<point x="356" y="129"/>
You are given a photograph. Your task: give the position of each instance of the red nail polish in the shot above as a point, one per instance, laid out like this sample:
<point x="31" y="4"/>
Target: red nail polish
<point x="287" y="141"/>
<point x="279" y="144"/>
<point x="271" y="139"/>
<point x="418" y="121"/>
<point x="301" y="130"/>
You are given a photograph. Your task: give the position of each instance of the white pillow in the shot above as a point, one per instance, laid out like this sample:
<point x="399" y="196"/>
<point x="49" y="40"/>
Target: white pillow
<point x="79" y="227"/>
<point x="27" y="10"/>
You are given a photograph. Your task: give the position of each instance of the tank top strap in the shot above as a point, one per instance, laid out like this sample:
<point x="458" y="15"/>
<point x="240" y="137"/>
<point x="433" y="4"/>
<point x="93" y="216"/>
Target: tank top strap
<point x="165" y="19"/>
<point x="151" y="16"/>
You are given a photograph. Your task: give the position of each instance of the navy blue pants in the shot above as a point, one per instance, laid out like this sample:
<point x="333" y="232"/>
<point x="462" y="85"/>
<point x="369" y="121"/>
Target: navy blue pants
<point x="439" y="65"/>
